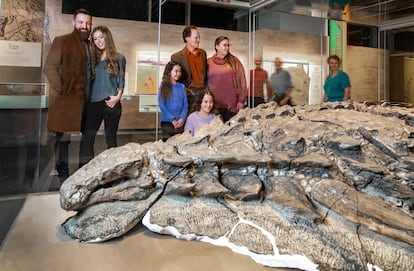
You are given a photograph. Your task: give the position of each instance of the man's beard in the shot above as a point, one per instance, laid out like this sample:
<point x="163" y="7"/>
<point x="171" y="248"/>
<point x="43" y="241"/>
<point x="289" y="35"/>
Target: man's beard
<point x="84" y="36"/>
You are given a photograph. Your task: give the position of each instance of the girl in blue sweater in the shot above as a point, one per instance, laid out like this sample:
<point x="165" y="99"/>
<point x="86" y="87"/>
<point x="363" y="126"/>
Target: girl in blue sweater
<point x="172" y="100"/>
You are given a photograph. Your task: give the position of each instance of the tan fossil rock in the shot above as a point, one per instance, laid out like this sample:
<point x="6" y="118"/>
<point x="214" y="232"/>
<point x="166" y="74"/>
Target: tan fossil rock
<point x="326" y="187"/>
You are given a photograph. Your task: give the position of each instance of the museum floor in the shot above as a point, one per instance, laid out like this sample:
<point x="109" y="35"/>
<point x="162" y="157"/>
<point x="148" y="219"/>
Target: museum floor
<point x="31" y="238"/>
<point x="15" y="186"/>
<point x="37" y="242"/>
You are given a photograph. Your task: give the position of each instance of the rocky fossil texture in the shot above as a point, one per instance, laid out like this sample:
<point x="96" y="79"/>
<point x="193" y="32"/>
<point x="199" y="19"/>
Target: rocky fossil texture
<point x="317" y="187"/>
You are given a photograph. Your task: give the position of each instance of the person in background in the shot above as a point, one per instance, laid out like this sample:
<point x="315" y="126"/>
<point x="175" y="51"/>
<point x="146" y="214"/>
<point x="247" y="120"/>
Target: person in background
<point x="108" y="68"/>
<point x="281" y="84"/>
<point x="258" y="79"/>
<point x="193" y="62"/>
<point x="67" y="69"/>
<point x="172" y="100"/>
<point x="226" y="79"/>
<point x="337" y="85"/>
<point x="203" y="112"/>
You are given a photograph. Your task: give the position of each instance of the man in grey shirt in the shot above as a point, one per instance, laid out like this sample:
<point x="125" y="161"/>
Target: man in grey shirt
<point x="281" y="84"/>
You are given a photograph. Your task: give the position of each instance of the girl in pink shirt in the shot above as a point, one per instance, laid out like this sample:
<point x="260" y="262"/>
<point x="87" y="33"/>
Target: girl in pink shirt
<point x="204" y="111"/>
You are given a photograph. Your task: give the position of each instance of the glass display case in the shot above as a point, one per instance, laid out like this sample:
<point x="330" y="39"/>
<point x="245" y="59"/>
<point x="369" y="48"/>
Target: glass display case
<point x="371" y="37"/>
<point x="23" y="138"/>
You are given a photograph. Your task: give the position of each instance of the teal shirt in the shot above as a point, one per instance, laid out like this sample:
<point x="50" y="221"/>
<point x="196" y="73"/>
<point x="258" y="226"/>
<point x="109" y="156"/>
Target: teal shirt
<point x="335" y="86"/>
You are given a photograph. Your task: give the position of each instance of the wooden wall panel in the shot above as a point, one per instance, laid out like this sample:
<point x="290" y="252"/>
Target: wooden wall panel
<point x="133" y="119"/>
<point x="397" y="92"/>
<point x="362" y="68"/>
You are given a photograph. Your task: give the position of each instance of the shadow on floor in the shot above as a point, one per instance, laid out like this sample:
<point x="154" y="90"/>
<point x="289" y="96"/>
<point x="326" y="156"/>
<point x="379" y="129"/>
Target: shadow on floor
<point x="9" y="208"/>
<point x="14" y="185"/>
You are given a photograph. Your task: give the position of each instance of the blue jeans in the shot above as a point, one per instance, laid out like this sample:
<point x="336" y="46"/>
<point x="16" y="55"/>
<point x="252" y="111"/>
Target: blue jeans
<point x="95" y="113"/>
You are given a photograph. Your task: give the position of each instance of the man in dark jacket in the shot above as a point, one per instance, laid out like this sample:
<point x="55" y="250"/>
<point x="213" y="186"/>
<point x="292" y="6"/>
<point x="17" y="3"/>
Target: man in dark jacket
<point x="193" y="61"/>
<point x="68" y="72"/>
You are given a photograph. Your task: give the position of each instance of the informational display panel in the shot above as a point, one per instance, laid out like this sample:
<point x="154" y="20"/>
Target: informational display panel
<point x="150" y="67"/>
<point x="20" y="54"/>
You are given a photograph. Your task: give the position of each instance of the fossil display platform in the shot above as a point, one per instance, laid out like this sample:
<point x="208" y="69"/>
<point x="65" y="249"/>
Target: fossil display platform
<point x="37" y="242"/>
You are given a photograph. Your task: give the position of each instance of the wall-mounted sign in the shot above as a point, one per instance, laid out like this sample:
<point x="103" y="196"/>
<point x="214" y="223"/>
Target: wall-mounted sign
<point x="148" y="104"/>
<point x="150" y="67"/>
<point x="20" y="54"/>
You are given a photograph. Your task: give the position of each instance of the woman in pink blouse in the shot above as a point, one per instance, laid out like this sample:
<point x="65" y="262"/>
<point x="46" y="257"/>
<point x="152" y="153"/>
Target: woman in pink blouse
<point x="226" y="79"/>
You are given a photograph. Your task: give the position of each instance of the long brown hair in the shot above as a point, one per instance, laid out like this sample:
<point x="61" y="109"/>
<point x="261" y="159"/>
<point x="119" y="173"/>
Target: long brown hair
<point x="197" y="104"/>
<point x="229" y="60"/>
<point x="112" y="65"/>
<point x="166" y="85"/>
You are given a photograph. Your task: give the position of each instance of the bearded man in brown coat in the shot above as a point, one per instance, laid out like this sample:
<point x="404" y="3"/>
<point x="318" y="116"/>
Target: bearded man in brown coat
<point x="67" y="69"/>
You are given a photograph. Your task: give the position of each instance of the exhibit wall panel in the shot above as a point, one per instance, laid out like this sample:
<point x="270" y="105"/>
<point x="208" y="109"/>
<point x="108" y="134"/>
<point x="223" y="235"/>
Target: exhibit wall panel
<point x="397" y="92"/>
<point x="409" y="79"/>
<point x="365" y="72"/>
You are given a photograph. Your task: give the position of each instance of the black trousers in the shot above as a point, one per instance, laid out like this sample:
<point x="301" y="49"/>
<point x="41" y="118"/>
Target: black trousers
<point x="226" y="114"/>
<point x="279" y="98"/>
<point x="168" y="130"/>
<point x="62" y="142"/>
<point x="94" y="114"/>
<point x="255" y="101"/>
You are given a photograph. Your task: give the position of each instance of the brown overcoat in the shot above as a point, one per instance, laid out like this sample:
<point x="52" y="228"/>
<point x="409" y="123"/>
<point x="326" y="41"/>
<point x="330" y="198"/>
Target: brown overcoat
<point x="65" y="69"/>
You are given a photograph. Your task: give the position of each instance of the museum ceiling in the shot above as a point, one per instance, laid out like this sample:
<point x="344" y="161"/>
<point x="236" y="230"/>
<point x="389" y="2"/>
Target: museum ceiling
<point x="392" y="8"/>
<point x="390" y="14"/>
<point x="373" y="12"/>
<point x="398" y="13"/>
